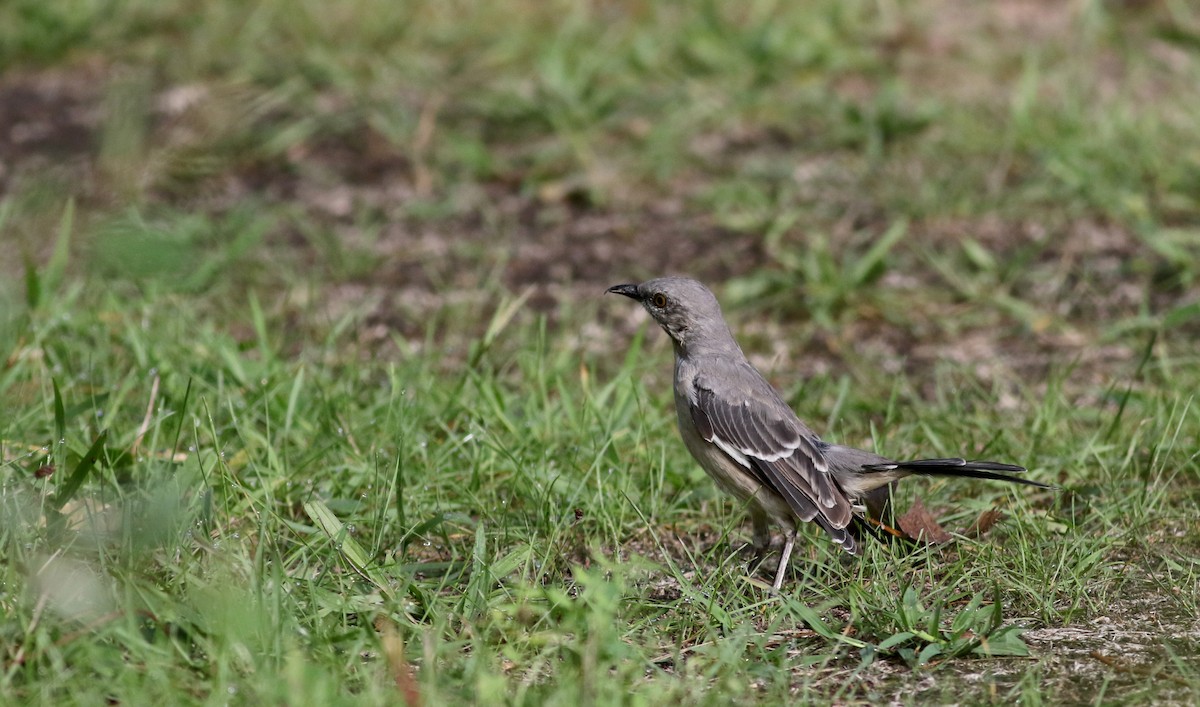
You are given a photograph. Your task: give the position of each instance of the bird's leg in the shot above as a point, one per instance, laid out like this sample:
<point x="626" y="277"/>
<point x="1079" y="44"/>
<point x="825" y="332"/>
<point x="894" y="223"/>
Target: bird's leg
<point x="762" y="532"/>
<point x="760" y="542"/>
<point x="783" y="561"/>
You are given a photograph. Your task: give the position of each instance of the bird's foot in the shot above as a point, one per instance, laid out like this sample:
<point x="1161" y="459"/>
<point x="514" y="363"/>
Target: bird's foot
<point x="761" y="559"/>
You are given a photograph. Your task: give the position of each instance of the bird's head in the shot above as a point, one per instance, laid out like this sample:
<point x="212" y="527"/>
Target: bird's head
<point x="684" y="308"/>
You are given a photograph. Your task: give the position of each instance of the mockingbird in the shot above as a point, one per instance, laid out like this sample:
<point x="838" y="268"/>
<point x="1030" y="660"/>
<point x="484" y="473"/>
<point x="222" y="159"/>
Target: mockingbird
<point x="751" y="443"/>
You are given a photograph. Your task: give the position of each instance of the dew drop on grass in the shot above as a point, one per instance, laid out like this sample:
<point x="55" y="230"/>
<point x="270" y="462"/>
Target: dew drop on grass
<point x="351" y="528"/>
<point x="100" y="413"/>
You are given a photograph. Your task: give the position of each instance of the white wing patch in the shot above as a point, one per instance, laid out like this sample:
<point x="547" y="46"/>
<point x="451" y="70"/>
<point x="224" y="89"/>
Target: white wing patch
<point x="740" y="454"/>
<point x="788" y="451"/>
<point x="733" y="452"/>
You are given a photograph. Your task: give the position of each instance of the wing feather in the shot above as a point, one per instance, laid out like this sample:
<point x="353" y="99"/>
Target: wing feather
<point x="748" y="421"/>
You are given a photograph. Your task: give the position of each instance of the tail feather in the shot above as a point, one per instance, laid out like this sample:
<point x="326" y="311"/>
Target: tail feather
<point x="960" y="467"/>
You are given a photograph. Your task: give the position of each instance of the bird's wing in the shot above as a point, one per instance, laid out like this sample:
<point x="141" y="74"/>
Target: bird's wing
<point x="743" y="416"/>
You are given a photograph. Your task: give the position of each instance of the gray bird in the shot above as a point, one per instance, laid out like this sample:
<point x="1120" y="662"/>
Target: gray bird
<point x="751" y="443"/>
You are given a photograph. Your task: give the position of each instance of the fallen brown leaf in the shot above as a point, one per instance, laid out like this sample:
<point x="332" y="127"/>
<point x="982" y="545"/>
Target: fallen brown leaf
<point x="984" y="523"/>
<point x="919" y="524"/>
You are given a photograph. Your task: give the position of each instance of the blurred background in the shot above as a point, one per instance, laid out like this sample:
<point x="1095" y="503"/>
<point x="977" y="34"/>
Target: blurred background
<point x="999" y="184"/>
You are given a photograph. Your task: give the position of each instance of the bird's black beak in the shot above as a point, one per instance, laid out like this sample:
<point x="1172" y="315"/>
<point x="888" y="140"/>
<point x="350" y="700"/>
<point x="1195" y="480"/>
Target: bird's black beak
<point x="630" y="291"/>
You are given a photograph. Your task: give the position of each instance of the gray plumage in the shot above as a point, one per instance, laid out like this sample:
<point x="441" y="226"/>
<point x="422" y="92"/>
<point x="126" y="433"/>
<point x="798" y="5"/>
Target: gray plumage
<point x="750" y="441"/>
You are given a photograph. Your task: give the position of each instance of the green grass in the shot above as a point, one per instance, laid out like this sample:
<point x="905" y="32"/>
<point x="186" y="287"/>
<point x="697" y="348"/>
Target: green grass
<point x="308" y="386"/>
<point x="530" y="524"/>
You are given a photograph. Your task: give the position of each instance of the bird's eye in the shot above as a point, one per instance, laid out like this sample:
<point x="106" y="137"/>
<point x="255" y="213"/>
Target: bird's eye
<point x="659" y="300"/>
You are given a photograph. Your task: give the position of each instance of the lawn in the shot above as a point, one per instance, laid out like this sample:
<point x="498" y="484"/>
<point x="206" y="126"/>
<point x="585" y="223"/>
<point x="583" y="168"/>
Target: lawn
<point x="310" y="394"/>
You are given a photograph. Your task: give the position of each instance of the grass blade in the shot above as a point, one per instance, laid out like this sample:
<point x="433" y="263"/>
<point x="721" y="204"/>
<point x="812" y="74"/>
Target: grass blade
<point x="347" y="546"/>
<point x="57" y="267"/>
<point x="80" y="473"/>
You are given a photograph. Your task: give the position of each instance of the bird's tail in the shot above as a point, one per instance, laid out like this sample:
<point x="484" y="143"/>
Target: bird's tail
<point x="881" y="517"/>
<point x="960" y="467"/>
